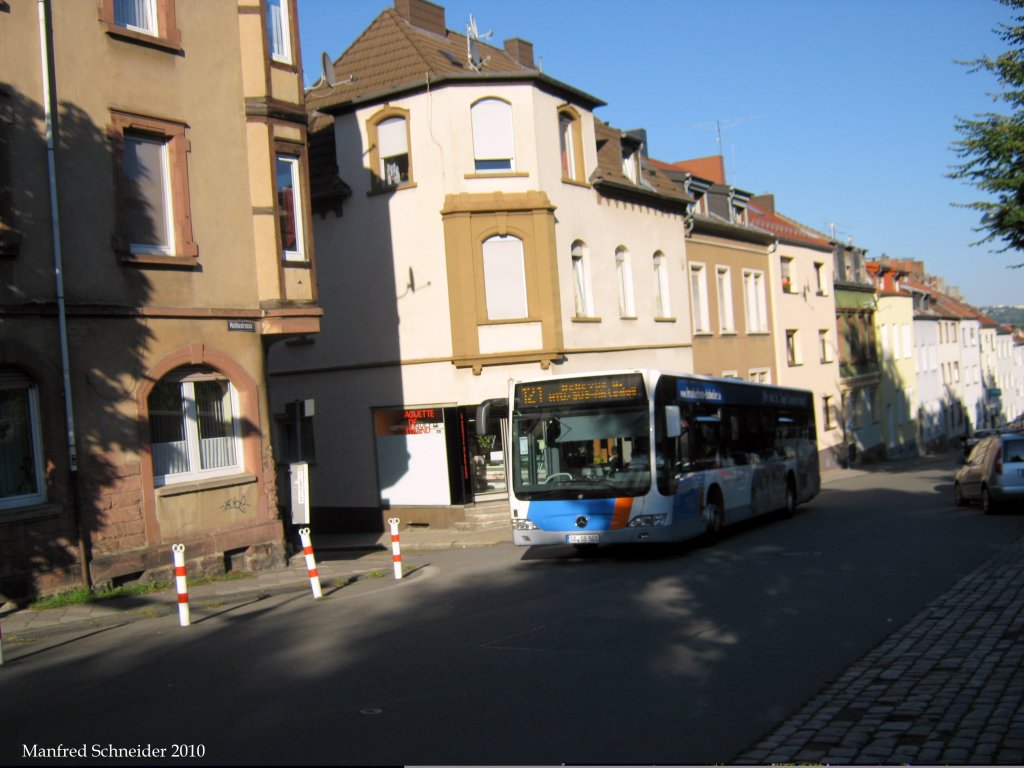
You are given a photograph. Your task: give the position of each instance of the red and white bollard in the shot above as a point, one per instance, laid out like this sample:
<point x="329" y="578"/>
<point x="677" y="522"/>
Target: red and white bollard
<point x="396" y="550"/>
<point x="182" y="584"/>
<point x="314" y="575"/>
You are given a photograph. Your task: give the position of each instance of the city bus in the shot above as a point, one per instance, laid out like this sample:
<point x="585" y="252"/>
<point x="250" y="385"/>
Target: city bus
<point x="722" y="450"/>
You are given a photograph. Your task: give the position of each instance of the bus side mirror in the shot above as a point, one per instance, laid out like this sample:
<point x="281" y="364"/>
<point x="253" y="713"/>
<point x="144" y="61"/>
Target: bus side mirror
<point x="552" y="431"/>
<point x="672" y="426"/>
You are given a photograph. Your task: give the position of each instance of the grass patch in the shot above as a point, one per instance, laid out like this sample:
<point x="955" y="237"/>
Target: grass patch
<point x="83" y="596"/>
<point x="229" y="576"/>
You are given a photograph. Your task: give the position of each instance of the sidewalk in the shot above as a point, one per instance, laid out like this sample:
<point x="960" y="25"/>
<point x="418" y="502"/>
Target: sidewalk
<point x="353" y="561"/>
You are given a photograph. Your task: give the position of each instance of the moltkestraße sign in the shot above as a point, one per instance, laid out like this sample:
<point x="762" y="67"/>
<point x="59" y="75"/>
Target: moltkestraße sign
<point x="242" y="325"/>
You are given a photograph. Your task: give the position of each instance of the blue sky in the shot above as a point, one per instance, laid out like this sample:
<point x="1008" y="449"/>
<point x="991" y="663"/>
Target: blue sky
<point x="844" y="110"/>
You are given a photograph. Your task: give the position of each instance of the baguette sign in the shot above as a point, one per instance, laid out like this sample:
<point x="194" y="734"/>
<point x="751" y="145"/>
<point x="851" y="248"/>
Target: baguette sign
<point x="409" y="421"/>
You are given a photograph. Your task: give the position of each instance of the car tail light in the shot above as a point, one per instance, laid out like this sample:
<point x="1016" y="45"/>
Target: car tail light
<point x="999" y="460"/>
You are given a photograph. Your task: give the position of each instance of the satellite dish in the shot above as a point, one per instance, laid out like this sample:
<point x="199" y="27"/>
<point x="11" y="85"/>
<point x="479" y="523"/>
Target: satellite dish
<point x="475" y="62"/>
<point x="328" y="66"/>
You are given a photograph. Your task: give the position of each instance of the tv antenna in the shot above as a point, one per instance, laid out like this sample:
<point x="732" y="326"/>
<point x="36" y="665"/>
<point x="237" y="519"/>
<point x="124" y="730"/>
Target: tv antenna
<point x="473" y="37"/>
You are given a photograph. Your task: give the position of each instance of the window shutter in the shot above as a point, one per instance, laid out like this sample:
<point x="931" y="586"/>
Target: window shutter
<point x="492" y="130"/>
<point x="391" y="137"/>
<point x="504" y="278"/>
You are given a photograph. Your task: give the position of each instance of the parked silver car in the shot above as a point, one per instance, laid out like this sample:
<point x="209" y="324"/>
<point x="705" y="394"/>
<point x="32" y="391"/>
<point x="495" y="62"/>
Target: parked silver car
<point x="993" y="473"/>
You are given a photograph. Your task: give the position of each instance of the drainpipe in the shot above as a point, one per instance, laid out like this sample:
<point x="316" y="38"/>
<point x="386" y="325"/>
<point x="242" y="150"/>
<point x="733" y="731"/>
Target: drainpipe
<point x="45" y="37"/>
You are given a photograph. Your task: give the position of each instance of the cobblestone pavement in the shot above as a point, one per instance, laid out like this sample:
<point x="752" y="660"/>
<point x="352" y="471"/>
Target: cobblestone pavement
<point x="946" y="688"/>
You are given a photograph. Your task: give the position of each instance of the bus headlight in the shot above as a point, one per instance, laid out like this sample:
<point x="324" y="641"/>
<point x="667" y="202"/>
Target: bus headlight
<point x="648" y="521"/>
<point x="522" y="524"/>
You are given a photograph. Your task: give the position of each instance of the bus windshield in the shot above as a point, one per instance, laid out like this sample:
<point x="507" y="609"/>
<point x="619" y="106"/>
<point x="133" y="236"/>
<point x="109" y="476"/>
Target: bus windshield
<point x="581" y="451"/>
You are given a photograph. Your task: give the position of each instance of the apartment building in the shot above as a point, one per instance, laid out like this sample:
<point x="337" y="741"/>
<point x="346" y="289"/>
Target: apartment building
<point x="804" y="319"/>
<point x="495" y="230"/>
<point x="859" y="371"/>
<point x="155" y="239"/>
<point x="898" y="389"/>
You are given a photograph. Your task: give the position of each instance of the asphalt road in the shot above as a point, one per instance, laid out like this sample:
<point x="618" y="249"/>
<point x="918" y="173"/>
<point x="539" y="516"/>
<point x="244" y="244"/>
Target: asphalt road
<point x="513" y="656"/>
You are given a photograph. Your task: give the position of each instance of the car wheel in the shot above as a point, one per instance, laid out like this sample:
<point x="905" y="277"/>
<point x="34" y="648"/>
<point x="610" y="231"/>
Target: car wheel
<point x="958" y="494"/>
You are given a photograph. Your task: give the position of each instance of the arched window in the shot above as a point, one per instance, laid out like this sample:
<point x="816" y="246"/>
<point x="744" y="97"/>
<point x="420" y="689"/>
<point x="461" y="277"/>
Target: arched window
<point x="580" y="283"/>
<point x="504" y="278"/>
<point x="493" y="139"/>
<point x="662" y="304"/>
<point x="624" y="276"/>
<point x="570" y="143"/>
<point x="390" y="158"/>
<point x="194" y="429"/>
<point x="21" y="459"/>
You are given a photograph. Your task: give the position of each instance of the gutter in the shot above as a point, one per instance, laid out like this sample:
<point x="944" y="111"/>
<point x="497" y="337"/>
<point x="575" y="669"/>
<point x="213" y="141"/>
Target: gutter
<point x="49" y="91"/>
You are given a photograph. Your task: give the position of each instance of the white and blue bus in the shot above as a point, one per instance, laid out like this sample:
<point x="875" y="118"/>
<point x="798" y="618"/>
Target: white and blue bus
<point x="723" y="450"/>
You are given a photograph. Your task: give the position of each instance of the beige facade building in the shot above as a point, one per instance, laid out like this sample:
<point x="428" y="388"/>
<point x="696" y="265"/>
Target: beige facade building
<point x="151" y="252"/>
<point x="804" y="319"/>
<point x="496" y="230"/>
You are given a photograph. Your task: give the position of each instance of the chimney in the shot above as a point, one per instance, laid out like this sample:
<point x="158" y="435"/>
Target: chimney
<point x="521" y="51"/>
<point x="767" y="202"/>
<point x="424" y="15"/>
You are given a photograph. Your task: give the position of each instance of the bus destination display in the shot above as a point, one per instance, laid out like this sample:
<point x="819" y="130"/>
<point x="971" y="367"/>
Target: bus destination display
<point x="599" y="389"/>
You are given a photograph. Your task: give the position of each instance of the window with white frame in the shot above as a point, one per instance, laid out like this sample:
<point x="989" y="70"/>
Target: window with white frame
<point x="760" y="375"/>
<point x="569" y="136"/>
<point x="154" y="222"/>
<point x="580" y="282"/>
<point x="726" y="320"/>
<point x="662" y="303"/>
<point x="493" y="137"/>
<point x="624" y="277"/>
<point x="194" y="427"/>
<point x="279" y="31"/>
<point x="22" y="479"/>
<point x="504" y="278"/>
<point x="699" y="297"/>
<point x="828" y="420"/>
<point x="788" y="282"/>
<point x="824" y="345"/>
<point x="754" y="301"/>
<point x="289" y="208"/>
<point x="136" y="15"/>
<point x="821" y="278"/>
<point x="149" y="212"/>
<point x="393" y="151"/>
<point x="793" y="347"/>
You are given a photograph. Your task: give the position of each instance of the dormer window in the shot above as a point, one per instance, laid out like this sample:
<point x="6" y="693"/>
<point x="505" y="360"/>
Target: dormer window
<point x="631" y="163"/>
<point x="739" y="213"/>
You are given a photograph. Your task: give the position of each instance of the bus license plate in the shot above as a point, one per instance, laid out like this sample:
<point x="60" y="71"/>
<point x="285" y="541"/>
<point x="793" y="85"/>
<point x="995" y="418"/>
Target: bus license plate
<point x="582" y="538"/>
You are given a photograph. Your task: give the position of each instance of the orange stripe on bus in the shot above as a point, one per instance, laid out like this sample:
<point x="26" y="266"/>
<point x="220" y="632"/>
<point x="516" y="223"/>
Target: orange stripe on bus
<point x="621" y="514"/>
